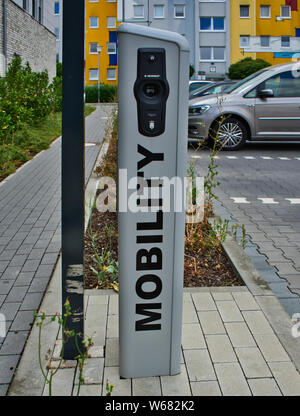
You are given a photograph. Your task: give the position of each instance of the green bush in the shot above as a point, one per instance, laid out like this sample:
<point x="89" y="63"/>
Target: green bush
<point x="56" y="90"/>
<point x="192" y="71"/>
<point x="108" y="93"/>
<point x="59" y="69"/>
<point x="246" y="67"/>
<point x="25" y="98"/>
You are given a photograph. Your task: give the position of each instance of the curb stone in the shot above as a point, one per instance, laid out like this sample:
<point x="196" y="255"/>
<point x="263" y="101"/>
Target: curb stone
<point x="267" y="274"/>
<point x="259" y="282"/>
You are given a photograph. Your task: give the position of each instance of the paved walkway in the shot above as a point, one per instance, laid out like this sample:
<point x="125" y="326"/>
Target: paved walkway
<point x="259" y="188"/>
<point x="30" y="238"/>
<point x="236" y="340"/>
<point x="234" y="343"/>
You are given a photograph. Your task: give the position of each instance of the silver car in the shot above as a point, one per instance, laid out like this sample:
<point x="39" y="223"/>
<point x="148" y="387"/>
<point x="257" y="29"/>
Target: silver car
<point x="264" y="106"/>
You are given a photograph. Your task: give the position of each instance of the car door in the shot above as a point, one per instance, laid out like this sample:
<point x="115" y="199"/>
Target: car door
<point x="279" y="115"/>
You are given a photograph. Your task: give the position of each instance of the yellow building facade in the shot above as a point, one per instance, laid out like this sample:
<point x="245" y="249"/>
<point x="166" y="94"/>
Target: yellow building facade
<point x="242" y="25"/>
<point x="100" y="31"/>
<point x="282" y="26"/>
<point x="270" y="31"/>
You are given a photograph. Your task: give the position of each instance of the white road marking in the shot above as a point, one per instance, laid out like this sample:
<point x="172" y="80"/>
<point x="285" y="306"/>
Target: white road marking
<point x="293" y="200"/>
<point x="240" y="200"/>
<point x="250" y="157"/>
<point x="268" y="201"/>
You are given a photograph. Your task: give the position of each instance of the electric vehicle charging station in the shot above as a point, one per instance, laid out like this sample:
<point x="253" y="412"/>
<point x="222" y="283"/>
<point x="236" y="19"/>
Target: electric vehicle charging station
<point x="152" y="146"/>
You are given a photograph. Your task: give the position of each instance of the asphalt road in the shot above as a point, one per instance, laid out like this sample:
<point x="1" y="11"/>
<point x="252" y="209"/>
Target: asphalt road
<point x="260" y="188"/>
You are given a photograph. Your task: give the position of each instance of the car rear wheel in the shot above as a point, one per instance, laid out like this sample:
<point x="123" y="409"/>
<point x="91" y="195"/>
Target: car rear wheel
<point x="230" y="134"/>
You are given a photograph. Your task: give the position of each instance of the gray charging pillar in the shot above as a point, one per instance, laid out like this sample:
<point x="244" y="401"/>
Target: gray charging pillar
<point x="152" y="145"/>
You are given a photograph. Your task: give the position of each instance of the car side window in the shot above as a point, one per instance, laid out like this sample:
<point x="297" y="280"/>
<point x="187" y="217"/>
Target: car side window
<point x="285" y="84"/>
<point x="251" y="94"/>
<point x="217" y="90"/>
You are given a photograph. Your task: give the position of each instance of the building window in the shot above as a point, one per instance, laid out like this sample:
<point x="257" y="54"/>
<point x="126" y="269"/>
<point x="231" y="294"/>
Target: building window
<point x="218" y="53"/>
<point x="111" y="1"/>
<point x="25" y="4"/>
<point x="285" y="41"/>
<point x="158" y="11"/>
<point x="94" y="21"/>
<point x="285" y="12"/>
<point x="212" y="23"/>
<point x="179" y="11"/>
<point x="111" y="22"/>
<point x="94" y="1"/>
<point x="56" y="31"/>
<point x="138" y="11"/>
<point x="111" y="48"/>
<point x="265" y="41"/>
<point x="205" y="23"/>
<point x="244" y="41"/>
<point x="212" y="53"/>
<point x="40" y="11"/>
<point x="111" y="74"/>
<point x="93" y="47"/>
<point x="93" y="74"/>
<point x="33" y="8"/>
<point x="218" y="23"/>
<point x="244" y="11"/>
<point x="205" y="53"/>
<point x="56" y="7"/>
<point x="265" y="12"/>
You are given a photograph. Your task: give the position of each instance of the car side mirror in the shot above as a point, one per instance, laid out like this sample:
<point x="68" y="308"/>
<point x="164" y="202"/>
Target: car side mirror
<point x="265" y="93"/>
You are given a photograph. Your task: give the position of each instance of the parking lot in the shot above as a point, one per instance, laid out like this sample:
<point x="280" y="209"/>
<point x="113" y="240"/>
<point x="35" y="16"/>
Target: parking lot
<point x="259" y="186"/>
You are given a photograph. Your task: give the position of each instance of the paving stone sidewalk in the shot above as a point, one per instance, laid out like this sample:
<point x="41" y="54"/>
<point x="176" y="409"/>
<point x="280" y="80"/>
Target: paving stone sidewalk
<point x="30" y="243"/>
<point x="233" y="344"/>
<point x="273" y="249"/>
<point x="259" y="188"/>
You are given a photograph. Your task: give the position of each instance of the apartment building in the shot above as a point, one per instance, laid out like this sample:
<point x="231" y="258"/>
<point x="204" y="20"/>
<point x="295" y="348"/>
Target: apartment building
<point x="58" y="20"/>
<point x="174" y="15"/>
<point x="40" y="10"/>
<point x="27" y="30"/>
<point x="266" y="29"/>
<point x="243" y="26"/>
<point x="100" y="29"/>
<point x="213" y="32"/>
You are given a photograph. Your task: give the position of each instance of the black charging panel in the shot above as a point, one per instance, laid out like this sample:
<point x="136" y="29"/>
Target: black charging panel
<point x="151" y="90"/>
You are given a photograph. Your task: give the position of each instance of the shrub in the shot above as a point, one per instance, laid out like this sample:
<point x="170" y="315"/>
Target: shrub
<point x="59" y="69"/>
<point x="25" y="97"/>
<point x="56" y="90"/>
<point x="246" y="67"/>
<point x="108" y="93"/>
<point x="192" y="71"/>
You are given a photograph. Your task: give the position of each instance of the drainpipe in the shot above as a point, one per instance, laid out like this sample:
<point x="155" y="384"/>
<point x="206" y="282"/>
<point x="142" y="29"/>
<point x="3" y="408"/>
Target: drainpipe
<point x="255" y="23"/>
<point x="5" y="34"/>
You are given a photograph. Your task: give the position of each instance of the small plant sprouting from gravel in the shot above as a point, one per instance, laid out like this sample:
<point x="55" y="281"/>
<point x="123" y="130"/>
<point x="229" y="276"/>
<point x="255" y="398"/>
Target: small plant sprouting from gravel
<point x="51" y="370"/>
